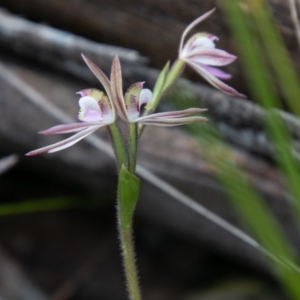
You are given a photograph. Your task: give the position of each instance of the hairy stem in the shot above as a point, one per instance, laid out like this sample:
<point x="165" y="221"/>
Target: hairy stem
<point x="129" y="260"/>
<point x="128" y="190"/>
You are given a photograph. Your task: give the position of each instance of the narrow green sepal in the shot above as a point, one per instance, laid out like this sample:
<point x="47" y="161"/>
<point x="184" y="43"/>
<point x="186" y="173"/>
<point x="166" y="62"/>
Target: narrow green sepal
<point x="159" y="85"/>
<point x="128" y="191"/>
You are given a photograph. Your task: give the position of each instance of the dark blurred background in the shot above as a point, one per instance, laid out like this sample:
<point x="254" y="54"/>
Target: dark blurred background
<point x="61" y="241"/>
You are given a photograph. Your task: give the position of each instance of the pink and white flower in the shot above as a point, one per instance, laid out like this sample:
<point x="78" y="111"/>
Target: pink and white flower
<point x="96" y="111"/>
<point x="201" y="54"/>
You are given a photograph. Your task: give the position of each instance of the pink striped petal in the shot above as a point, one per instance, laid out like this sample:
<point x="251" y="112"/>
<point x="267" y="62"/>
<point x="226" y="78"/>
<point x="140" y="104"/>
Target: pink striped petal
<point x="99" y="74"/>
<point x="65" y="143"/>
<point x="212" y="57"/>
<point x="116" y="88"/>
<point x="215" y="81"/>
<point x="172" y="114"/>
<point x="216" y="72"/>
<point x="103" y="80"/>
<point x="169" y="122"/>
<point x="68" y="128"/>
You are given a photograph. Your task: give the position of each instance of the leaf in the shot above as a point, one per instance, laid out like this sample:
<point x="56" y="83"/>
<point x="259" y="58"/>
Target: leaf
<point x="128" y="191"/>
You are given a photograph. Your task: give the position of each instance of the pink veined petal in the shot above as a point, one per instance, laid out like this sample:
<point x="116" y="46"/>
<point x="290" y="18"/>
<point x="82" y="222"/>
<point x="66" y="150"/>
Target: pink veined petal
<point x="116" y="88"/>
<point x="65" y="143"/>
<point x="169" y="122"/>
<point x="68" y="128"/>
<point x="171" y="114"/>
<point x="215" y="81"/>
<point x="90" y="109"/>
<point x="212" y="57"/>
<point x="216" y="72"/>
<point x="99" y="74"/>
<point x="71" y="143"/>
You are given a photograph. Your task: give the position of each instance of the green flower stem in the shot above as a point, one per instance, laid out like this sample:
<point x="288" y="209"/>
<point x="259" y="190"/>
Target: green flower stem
<point x="132" y="147"/>
<point x="129" y="261"/>
<point x="128" y="190"/>
<point x="174" y="73"/>
<point x="118" y="145"/>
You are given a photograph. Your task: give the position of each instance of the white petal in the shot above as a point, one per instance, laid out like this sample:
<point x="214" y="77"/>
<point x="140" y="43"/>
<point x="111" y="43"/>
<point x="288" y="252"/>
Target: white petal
<point x="87" y="103"/>
<point x="145" y="97"/>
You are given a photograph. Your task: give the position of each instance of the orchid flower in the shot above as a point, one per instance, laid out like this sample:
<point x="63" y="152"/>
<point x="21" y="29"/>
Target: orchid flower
<point x="96" y="111"/>
<point x="200" y="53"/>
<point x="129" y="106"/>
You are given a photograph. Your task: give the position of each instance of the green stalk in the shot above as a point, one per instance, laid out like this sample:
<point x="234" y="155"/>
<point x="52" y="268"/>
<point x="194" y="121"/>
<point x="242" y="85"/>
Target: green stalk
<point x="132" y="147"/>
<point x="174" y="73"/>
<point x="118" y="145"/>
<point x="128" y="190"/>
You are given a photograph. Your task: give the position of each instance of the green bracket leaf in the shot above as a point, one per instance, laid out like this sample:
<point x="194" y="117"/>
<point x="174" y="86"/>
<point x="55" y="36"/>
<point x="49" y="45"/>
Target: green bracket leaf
<point x="128" y="191"/>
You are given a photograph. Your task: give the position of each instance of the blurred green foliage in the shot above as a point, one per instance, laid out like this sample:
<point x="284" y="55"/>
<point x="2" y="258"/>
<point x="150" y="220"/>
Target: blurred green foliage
<point x="257" y="38"/>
